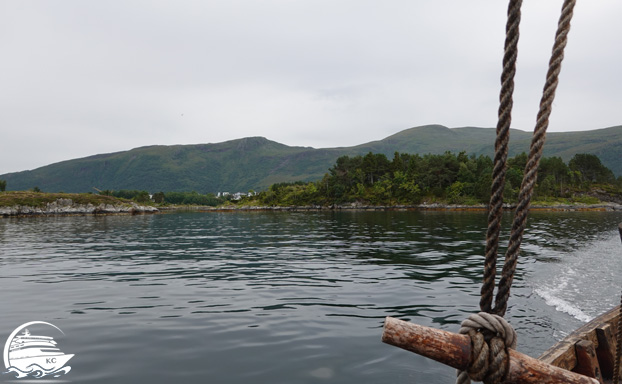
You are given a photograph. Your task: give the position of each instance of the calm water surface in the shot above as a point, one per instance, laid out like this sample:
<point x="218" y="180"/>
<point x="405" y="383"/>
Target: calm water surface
<point x="287" y="297"/>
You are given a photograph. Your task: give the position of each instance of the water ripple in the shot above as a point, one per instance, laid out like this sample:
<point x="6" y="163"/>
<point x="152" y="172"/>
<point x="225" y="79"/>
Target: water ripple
<point x="288" y="297"/>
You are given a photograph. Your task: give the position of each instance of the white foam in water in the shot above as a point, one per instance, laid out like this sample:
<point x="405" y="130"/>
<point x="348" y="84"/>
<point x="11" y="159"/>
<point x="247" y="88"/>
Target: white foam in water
<point x="585" y="279"/>
<point x="550" y="297"/>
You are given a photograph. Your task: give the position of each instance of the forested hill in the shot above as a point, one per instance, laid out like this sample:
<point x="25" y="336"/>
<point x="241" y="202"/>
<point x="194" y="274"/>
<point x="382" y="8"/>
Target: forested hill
<point x="255" y="163"/>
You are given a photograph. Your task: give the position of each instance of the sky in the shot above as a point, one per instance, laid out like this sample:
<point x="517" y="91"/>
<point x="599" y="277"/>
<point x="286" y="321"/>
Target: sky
<point x="79" y="78"/>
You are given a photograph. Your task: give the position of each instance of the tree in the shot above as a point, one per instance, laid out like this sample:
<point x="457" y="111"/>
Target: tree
<point x="382" y="191"/>
<point x="518" y="162"/>
<point x="553" y="175"/>
<point x="455" y="192"/>
<point x="591" y="169"/>
<point x="375" y="166"/>
<point x="158" y="197"/>
<point x="343" y="170"/>
<point x="547" y="187"/>
<point x="553" y="166"/>
<point x="442" y="171"/>
<point x="405" y="188"/>
<point x="142" y="197"/>
<point x="2" y="185"/>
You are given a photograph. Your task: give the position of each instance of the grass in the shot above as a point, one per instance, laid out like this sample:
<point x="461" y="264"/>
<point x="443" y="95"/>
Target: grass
<point x="40" y="199"/>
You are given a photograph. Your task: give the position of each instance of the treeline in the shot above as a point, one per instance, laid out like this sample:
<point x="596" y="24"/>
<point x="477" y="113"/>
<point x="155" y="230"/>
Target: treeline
<point x="410" y="179"/>
<point x="178" y="198"/>
<point x="449" y="178"/>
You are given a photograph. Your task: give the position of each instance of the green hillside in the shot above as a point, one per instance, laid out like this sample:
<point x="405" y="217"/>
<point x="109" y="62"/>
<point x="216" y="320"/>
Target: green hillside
<point x="256" y="163"/>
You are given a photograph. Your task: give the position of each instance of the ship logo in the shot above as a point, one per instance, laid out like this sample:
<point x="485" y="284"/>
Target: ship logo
<point x="34" y="356"/>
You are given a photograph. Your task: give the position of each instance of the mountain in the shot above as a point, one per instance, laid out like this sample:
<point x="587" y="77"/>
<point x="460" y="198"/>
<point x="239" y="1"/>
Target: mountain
<point x="256" y="162"/>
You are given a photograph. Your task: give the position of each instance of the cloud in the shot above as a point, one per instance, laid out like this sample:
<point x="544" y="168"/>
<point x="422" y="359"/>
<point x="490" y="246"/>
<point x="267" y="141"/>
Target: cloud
<point x="81" y="78"/>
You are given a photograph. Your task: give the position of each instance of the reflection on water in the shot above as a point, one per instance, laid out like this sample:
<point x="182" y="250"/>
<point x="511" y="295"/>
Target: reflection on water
<point x="288" y="297"/>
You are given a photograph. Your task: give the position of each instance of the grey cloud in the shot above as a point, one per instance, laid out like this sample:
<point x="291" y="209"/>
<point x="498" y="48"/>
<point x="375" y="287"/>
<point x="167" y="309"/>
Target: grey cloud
<point x="81" y="78"/>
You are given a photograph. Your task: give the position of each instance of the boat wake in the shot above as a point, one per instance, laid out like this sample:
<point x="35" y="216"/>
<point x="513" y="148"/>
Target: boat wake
<point x="585" y="285"/>
<point x="553" y="296"/>
<point x="36" y="371"/>
<point x="549" y="296"/>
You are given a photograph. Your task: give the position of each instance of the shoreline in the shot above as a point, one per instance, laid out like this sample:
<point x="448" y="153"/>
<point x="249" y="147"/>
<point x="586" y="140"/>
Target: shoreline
<point x="66" y="207"/>
<point x="602" y="207"/>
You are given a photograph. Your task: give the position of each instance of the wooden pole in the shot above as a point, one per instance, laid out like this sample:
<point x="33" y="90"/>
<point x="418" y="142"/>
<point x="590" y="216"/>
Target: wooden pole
<point x="455" y="350"/>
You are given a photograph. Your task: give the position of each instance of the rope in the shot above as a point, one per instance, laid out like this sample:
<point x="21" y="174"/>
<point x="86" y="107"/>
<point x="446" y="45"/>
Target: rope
<point x="535" y="153"/>
<point x="501" y="152"/>
<point x="489" y="360"/>
<point x="491" y="336"/>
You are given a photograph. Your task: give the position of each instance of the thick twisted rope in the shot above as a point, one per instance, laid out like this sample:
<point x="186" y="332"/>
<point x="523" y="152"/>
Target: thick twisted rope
<point x="535" y="153"/>
<point x="491" y="336"/>
<point x="501" y="152"/>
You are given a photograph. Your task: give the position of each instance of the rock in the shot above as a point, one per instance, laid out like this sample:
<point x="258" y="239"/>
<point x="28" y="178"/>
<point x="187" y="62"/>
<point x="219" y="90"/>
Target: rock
<point x="68" y="207"/>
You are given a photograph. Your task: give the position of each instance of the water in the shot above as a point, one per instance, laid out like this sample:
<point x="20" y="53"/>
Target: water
<point x="281" y="297"/>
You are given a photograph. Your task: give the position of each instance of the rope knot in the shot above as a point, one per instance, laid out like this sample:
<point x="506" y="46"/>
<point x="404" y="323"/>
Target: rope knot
<point x="491" y="336"/>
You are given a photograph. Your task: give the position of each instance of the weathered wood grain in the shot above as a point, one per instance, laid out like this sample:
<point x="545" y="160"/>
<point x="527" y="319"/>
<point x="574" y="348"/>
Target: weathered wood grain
<point x="587" y="361"/>
<point x="606" y="351"/>
<point x="563" y="355"/>
<point x="455" y="350"/>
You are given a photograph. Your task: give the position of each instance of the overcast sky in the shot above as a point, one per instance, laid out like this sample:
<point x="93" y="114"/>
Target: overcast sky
<point x="79" y="77"/>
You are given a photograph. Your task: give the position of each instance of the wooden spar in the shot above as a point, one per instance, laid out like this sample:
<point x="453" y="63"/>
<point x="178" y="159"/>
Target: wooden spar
<point x="445" y="347"/>
<point x="455" y="350"/>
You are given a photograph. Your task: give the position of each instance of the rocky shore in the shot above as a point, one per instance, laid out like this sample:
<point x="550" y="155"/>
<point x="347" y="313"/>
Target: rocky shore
<point x="419" y="207"/>
<point x="65" y="206"/>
